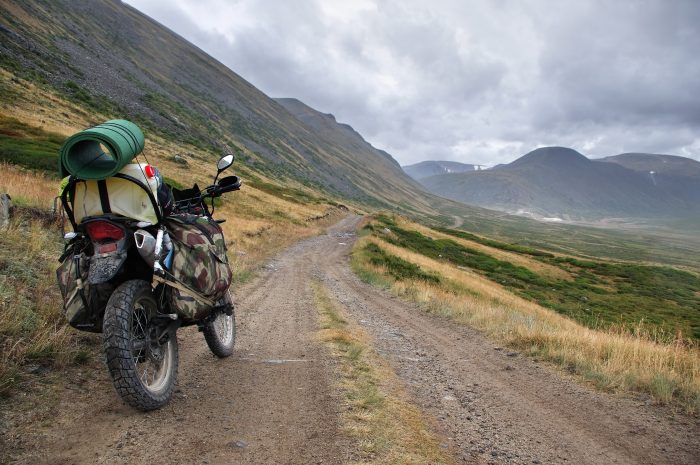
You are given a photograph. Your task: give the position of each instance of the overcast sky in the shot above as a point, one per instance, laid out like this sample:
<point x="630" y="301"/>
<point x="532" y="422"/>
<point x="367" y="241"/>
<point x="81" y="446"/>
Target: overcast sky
<point x="471" y="81"/>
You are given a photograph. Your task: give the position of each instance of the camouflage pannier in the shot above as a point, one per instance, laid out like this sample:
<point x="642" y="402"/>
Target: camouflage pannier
<point x="199" y="262"/>
<point x="72" y="276"/>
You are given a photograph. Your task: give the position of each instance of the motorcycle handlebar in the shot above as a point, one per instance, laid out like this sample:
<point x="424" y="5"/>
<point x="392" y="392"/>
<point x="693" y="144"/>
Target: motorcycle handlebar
<point x="226" y="184"/>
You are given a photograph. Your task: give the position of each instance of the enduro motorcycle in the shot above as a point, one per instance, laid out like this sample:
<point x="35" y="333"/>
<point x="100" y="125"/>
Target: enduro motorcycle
<point x="138" y="281"/>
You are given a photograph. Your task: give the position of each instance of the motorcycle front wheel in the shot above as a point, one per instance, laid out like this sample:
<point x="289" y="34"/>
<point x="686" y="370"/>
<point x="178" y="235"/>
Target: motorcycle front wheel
<point x="142" y="363"/>
<point x="220" y="332"/>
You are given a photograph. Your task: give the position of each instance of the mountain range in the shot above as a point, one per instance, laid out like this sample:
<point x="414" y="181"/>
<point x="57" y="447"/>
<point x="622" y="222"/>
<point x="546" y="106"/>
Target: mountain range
<point x="562" y="183"/>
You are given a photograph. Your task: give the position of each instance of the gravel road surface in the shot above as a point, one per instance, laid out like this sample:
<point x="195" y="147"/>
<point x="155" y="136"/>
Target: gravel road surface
<point x="275" y="402"/>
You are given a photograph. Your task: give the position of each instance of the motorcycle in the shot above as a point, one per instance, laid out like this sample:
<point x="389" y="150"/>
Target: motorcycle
<point x="137" y="278"/>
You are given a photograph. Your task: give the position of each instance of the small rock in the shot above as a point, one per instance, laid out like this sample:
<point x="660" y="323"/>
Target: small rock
<point x="238" y="444"/>
<point x="38" y="370"/>
<point x="509" y="368"/>
<point x="180" y="160"/>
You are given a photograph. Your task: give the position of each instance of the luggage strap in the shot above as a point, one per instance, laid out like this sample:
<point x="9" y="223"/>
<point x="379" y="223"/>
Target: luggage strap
<point x="170" y="281"/>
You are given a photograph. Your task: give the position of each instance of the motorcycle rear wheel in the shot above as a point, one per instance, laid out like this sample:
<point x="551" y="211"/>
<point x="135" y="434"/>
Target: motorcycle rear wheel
<point x="143" y="369"/>
<point x="220" y="333"/>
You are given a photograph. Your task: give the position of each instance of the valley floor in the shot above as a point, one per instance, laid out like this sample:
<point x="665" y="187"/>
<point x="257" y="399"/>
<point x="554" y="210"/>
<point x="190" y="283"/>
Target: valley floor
<point x="281" y="398"/>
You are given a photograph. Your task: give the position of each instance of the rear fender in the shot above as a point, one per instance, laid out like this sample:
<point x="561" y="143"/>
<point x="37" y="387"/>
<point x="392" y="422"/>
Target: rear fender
<point x="104" y="267"/>
<point x="108" y="259"/>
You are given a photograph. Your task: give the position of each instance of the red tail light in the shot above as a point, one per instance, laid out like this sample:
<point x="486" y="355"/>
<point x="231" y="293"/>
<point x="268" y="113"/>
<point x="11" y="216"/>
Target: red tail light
<point x="102" y="230"/>
<point x="150" y="171"/>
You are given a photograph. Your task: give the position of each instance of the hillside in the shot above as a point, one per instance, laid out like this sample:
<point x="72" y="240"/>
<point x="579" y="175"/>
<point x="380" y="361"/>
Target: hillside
<point x="424" y="169"/>
<point x="560" y="182"/>
<point x="115" y="61"/>
<point x="660" y="164"/>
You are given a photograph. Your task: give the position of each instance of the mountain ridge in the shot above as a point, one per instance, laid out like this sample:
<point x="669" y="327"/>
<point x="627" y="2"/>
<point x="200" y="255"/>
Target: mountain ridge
<point x="561" y="182"/>
<point x="666" y="164"/>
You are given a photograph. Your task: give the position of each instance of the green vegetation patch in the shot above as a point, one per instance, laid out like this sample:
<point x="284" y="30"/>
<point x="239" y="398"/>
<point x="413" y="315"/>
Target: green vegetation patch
<point x="290" y="194"/>
<point x="29" y="146"/>
<point x="661" y="300"/>
<point x="396" y="266"/>
<point x="521" y="249"/>
<point x="448" y="250"/>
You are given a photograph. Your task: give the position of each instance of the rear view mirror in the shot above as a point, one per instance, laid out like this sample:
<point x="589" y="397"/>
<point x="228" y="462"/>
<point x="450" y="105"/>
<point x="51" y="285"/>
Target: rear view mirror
<point x="224" y="162"/>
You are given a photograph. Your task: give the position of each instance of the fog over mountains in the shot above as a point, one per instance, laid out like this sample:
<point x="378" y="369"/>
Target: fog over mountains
<point x="559" y="182"/>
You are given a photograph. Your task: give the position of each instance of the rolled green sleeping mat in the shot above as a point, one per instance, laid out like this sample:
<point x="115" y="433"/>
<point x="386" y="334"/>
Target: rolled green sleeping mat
<point x="102" y="151"/>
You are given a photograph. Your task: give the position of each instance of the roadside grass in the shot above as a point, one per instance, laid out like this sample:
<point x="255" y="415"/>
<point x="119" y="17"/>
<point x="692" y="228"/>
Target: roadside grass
<point x="598" y="294"/>
<point x="386" y="426"/>
<point x="32" y="326"/>
<point x="27" y="188"/>
<point x="618" y="358"/>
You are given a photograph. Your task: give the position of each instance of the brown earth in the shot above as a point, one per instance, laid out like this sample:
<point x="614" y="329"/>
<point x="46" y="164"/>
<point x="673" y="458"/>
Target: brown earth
<point x="275" y="400"/>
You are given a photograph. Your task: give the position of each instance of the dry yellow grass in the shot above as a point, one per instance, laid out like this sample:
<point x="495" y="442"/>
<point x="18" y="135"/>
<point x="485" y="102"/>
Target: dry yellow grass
<point x="387" y="427"/>
<point x="32" y="326"/>
<point x="615" y="361"/>
<point x="27" y="187"/>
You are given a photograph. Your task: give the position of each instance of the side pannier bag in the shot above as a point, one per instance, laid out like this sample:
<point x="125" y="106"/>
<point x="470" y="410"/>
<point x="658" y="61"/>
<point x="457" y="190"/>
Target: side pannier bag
<point x="199" y="262"/>
<point x="72" y="276"/>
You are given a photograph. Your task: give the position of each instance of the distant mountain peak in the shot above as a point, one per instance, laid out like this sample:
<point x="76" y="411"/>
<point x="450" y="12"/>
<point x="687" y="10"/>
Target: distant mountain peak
<point x="427" y="168"/>
<point x="552" y="156"/>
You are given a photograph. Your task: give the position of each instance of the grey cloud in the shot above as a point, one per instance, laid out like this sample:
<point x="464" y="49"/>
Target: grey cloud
<point x="477" y="81"/>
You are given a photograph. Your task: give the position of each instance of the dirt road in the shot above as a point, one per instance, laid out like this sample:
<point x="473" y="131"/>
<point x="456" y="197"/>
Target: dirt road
<point x="274" y="401"/>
